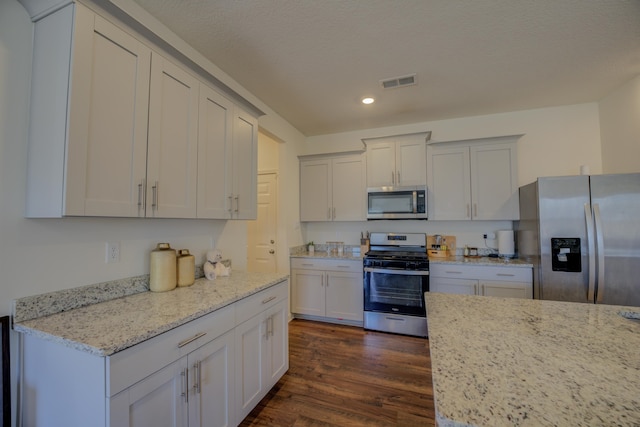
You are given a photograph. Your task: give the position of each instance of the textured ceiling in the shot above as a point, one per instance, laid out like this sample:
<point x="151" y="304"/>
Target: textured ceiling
<point x="313" y="60"/>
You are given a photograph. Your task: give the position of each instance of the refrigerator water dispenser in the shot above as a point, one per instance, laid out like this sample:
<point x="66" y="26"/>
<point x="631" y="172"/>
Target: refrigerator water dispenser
<point x="565" y="254"/>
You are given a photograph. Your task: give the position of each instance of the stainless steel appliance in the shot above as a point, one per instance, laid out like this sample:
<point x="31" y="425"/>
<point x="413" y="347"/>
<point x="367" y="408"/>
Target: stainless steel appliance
<point x="397" y="203"/>
<point x="582" y="234"/>
<point x="396" y="276"/>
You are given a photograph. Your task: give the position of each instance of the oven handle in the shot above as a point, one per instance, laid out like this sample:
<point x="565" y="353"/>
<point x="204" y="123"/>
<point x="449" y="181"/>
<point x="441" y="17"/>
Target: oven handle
<point x="398" y="272"/>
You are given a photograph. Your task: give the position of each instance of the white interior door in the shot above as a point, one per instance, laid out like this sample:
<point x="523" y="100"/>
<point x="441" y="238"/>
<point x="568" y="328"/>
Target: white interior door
<point x="262" y="232"/>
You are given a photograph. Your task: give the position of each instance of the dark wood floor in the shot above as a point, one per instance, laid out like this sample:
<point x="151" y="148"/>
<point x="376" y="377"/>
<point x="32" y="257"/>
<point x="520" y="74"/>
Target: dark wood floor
<point x="346" y="376"/>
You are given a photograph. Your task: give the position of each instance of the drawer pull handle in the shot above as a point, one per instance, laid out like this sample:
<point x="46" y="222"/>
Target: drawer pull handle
<point x="308" y="265"/>
<point x="343" y="266"/>
<point x="192" y="339"/>
<point x="453" y="272"/>
<point x="271" y="298"/>
<point x="505" y="274"/>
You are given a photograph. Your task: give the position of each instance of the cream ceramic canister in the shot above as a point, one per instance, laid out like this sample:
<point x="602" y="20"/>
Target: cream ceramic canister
<point x="162" y="268"/>
<point x="186" y="268"/>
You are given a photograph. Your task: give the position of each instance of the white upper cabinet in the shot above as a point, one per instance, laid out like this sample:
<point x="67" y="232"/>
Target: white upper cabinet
<point x="333" y="188"/>
<point x="172" y="152"/>
<point x="117" y="130"/>
<point x="242" y="158"/>
<point x="88" y="133"/>
<point x="396" y="161"/>
<point x="477" y="180"/>
<point x="215" y="131"/>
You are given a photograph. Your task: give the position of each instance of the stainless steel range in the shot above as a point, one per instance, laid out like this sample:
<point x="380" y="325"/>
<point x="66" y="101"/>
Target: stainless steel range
<point x="396" y="276"/>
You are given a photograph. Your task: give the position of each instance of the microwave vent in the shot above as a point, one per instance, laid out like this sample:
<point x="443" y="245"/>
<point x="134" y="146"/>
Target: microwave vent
<point x="396" y="82"/>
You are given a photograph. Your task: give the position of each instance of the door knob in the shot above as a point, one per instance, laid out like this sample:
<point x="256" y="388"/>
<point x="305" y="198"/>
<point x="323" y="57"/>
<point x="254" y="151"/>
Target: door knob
<point x="272" y="241"/>
<point x="271" y="251"/>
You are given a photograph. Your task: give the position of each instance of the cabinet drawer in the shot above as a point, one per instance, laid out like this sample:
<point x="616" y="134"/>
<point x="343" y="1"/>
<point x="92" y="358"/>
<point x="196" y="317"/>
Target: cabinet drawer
<point x="353" y="266"/>
<point x="248" y="307"/>
<point x="511" y="274"/>
<point x="135" y="363"/>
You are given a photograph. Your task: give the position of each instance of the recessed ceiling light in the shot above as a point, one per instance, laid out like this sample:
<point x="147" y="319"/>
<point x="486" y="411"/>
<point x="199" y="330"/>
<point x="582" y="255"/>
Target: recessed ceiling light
<point x="368" y="100"/>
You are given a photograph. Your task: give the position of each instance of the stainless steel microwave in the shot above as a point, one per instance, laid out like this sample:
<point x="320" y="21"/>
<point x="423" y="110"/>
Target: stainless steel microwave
<point x="397" y="203"/>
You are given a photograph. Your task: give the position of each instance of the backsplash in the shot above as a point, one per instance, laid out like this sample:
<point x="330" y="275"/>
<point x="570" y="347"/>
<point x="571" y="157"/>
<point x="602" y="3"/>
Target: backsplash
<point x="35" y="306"/>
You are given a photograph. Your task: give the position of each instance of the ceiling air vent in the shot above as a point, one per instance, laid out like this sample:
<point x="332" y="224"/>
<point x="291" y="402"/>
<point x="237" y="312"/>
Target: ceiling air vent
<point x="399" y="81"/>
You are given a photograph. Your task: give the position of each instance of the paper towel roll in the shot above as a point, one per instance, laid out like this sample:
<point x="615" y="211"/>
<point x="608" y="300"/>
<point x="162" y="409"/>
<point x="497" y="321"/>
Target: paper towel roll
<point x="506" y="243"/>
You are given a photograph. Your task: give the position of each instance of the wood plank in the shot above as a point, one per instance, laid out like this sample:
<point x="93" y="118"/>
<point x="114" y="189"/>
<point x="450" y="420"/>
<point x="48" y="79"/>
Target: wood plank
<point x="346" y="376"/>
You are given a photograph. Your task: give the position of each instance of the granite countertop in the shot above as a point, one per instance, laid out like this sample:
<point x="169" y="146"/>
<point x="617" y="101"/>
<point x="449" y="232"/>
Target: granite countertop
<point x="459" y="260"/>
<point x="111" y="326"/>
<point x="483" y="260"/>
<point x="517" y="362"/>
<point x="350" y="256"/>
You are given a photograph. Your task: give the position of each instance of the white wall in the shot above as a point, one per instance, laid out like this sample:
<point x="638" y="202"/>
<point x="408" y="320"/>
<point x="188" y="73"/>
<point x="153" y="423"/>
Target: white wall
<point x="620" y="129"/>
<point x="556" y="140"/>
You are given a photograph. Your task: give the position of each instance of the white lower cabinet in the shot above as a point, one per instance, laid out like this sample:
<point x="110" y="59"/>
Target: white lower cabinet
<point x="330" y="289"/>
<point x="262" y="347"/>
<point x="508" y="282"/>
<point x="196" y="390"/>
<point x="209" y="372"/>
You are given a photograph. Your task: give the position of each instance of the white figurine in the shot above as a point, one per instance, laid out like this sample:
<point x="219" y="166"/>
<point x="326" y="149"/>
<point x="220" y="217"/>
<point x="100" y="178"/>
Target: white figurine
<point x="213" y="267"/>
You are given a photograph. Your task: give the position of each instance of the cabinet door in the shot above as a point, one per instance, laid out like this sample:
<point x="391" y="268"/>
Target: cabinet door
<point x="349" y="191"/>
<point x="381" y="164"/>
<point x="214" y="140"/>
<point x="315" y="190"/>
<point x="411" y="162"/>
<point x="251" y="342"/>
<point x="173" y="141"/>
<point x="344" y="296"/>
<point x="494" y="182"/>
<point x="453" y="286"/>
<point x="506" y="289"/>
<point x="106" y="155"/>
<point x="307" y="288"/>
<point x="211" y="391"/>
<point x="158" y="400"/>
<point x="277" y="360"/>
<point x="244" y="166"/>
<point x="449" y="183"/>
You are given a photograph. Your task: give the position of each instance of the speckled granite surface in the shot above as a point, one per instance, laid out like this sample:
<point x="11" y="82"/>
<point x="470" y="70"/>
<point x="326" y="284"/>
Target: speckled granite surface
<point x="512" y="362"/>
<point x="321" y="253"/>
<point x="495" y="262"/>
<point x="111" y="326"/>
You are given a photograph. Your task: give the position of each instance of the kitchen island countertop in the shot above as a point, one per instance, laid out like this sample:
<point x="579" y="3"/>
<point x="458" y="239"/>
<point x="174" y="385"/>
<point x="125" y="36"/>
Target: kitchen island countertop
<point x="111" y="326"/>
<point x="517" y="362"/>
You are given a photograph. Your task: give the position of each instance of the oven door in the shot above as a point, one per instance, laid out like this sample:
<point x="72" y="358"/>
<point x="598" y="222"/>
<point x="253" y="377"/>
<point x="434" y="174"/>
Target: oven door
<point x="395" y="291"/>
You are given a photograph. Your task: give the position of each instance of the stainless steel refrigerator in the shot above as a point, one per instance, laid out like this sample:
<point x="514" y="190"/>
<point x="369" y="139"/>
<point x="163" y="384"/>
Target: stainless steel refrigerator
<point x="582" y="234"/>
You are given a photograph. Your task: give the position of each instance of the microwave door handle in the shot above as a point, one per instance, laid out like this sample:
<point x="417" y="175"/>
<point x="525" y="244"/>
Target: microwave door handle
<point x="415" y="202"/>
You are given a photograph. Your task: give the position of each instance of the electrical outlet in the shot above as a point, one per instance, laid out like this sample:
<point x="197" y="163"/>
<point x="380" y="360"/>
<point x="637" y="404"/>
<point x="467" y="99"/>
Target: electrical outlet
<point x="112" y="252"/>
<point x="484" y="236"/>
<point x="490" y="236"/>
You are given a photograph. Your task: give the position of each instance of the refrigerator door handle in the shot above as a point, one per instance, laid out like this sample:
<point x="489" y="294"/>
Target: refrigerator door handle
<point x="600" y="243"/>
<point x="592" y="252"/>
